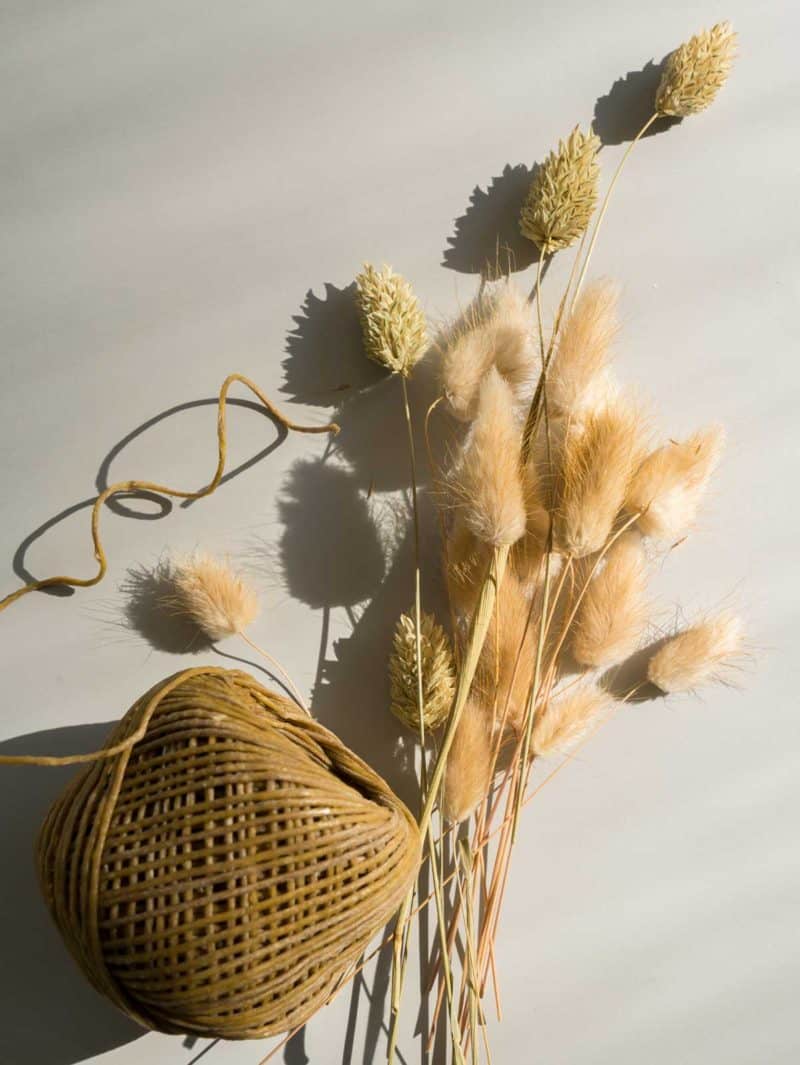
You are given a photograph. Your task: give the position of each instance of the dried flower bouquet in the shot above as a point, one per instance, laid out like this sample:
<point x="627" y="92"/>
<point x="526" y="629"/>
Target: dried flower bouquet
<point x="556" y="497"/>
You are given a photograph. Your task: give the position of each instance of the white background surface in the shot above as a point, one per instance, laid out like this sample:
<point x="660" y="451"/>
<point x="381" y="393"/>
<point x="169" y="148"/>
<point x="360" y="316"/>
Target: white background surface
<point x="176" y="177"/>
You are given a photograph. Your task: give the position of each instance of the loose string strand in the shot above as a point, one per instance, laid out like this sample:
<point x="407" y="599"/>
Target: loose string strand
<point x="160" y="489"/>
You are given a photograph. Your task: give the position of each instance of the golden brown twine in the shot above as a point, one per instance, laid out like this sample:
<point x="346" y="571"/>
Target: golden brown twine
<point x="221" y="865"/>
<point x="150" y="486"/>
<point x="223" y="861"/>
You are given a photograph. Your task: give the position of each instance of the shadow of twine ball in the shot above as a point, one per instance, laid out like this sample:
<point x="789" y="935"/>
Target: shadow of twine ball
<point x="222" y="874"/>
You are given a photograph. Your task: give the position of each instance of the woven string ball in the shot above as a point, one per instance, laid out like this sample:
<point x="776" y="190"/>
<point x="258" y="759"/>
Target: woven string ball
<point x="221" y="874"/>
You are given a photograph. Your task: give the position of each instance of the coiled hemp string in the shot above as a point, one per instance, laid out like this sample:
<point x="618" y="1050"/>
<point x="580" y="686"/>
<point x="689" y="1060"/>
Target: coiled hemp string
<point x="160" y="489"/>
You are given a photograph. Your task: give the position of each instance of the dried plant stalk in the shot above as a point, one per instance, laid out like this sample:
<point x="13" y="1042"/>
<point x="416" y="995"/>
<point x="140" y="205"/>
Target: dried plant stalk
<point x="598" y="463"/>
<point x="477" y="635"/>
<point x="574" y="498"/>
<point x="496" y="330"/>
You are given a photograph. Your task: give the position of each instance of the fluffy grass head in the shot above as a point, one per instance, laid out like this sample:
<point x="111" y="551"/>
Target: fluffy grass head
<point x="486" y="482"/>
<point x="392" y="322"/>
<point x="695" y="72"/>
<point x="563" y="194"/>
<point x="468" y="775"/>
<point x="598" y="461"/>
<point x="566" y="718"/>
<point x="496" y="330"/>
<point x="505" y="668"/>
<point x="467" y="563"/>
<point x="578" y="380"/>
<point x="212" y="596"/>
<point x="671" y="482"/>
<point x="613" y="612"/>
<point x="510" y="326"/>
<point x="698" y="655"/>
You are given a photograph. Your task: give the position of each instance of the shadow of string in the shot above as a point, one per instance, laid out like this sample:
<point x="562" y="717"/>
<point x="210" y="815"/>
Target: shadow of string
<point x="129" y="487"/>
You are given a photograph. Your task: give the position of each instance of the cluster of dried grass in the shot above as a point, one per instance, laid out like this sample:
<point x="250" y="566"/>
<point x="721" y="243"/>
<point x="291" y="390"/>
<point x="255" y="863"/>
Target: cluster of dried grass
<point x="557" y="498"/>
<point x="584" y="513"/>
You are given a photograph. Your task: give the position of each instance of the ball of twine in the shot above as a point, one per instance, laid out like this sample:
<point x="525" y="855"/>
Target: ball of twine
<point x="221" y="866"/>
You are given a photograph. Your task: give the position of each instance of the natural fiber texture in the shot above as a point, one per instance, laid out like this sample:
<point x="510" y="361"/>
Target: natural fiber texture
<point x="598" y="462"/>
<point x="223" y="871"/>
<point x="566" y="719"/>
<point x="667" y="489"/>
<point x="213" y="596"/>
<point x="613" y="612"/>
<point x="469" y="768"/>
<point x="392" y="322"/>
<point x="563" y="194"/>
<point x="505" y="668"/>
<point x="695" y="72"/>
<point x="465" y="567"/>
<point x="495" y="330"/>
<point x="486" y="484"/>
<point x="438" y="672"/>
<point x="578" y="381"/>
<point x="695" y="656"/>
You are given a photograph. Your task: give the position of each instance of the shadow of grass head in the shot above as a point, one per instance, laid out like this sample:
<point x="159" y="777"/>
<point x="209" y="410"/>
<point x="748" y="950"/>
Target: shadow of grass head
<point x="330" y="553"/>
<point x="621" y="113"/>
<point x="486" y="239"/>
<point x="147" y="591"/>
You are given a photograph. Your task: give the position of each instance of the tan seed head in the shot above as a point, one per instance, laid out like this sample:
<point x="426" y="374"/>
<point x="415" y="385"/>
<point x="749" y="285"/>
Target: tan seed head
<point x="438" y="672"/>
<point x="392" y="322"/>
<point x="695" y="72"/>
<point x="563" y="194"/>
